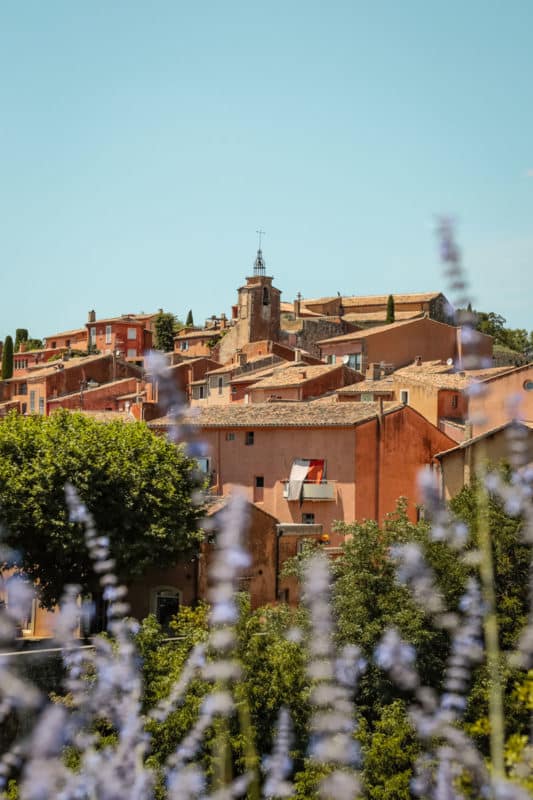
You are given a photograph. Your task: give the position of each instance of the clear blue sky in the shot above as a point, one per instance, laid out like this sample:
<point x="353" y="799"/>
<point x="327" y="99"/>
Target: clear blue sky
<point x="143" y="143"/>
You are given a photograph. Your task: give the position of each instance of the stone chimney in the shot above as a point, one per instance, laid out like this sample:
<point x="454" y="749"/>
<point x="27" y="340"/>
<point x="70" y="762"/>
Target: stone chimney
<point x="297" y="354"/>
<point x="374" y="372"/>
<point x="240" y="358"/>
<point x="418" y="361"/>
<point x="297" y="304"/>
<point x="92" y="316"/>
<point x="22" y="347"/>
<point x="223" y="321"/>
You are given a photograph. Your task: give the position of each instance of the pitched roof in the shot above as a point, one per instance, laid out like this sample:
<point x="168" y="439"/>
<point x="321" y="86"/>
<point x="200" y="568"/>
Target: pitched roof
<point x="205" y="332"/>
<point x="380" y="315"/>
<point x="443" y="376"/>
<point x="364" y="334"/>
<point x="234" y="365"/>
<point x="486" y="435"/>
<point x="70" y="364"/>
<point x="122" y="320"/>
<point x="381" y="299"/>
<point x="283" y="415"/>
<point x="376" y="299"/>
<point x="380" y="386"/>
<point x="295" y="374"/>
<point x="93" y="389"/>
<point x="67" y="333"/>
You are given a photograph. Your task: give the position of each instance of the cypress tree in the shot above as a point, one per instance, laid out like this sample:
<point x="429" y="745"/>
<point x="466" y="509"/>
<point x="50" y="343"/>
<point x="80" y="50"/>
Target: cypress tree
<point x="390" y="309"/>
<point x="7" y="359"/>
<point x="189" y="322"/>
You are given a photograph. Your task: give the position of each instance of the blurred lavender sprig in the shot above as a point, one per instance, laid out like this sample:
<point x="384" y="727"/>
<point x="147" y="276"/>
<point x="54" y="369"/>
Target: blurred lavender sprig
<point x="333" y="722"/>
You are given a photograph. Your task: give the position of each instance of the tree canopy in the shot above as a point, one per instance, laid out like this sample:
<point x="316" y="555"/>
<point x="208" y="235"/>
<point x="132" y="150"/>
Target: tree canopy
<point x="137" y="486"/>
<point x="166" y="326"/>
<point x="517" y="339"/>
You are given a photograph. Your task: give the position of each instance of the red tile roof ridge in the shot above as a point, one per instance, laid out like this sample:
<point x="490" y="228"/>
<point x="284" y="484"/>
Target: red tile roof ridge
<point x="285" y="415"/>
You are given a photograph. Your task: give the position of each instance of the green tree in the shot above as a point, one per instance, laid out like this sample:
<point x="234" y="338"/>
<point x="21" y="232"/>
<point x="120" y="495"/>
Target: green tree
<point x="138" y="487"/>
<point x="21" y="335"/>
<point x="165" y="325"/>
<point x="34" y="344"/>
<point x="389" y="753"/>
<point x="390" y="309"/>
<point x="7" y="359"/>
<point x="189" y="322"/>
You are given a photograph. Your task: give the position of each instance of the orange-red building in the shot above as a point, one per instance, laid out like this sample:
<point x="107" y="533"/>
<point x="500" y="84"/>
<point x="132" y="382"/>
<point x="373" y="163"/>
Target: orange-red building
<point x="399" y="344"/>
<point x="364" y="459"/>
<point x="126" y="336"/>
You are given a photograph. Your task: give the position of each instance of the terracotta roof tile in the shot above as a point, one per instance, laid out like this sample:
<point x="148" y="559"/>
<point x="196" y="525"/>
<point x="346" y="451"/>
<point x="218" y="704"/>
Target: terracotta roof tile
<point x="383" y="385"/>
<point x="381" y="299"/>
<point x="67" y="333"/>
<point x="380" y="315"/>
<point x="295" y="375"/>
<point x="443" y="376"/>
<point x="284" y="415"/>
<point x="204" y="333"/>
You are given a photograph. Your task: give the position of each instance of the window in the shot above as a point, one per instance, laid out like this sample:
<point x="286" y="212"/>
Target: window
<point x="184" y="346"/>
<point x="167" y="604"/>
<point x="132" y="352"/>
<point x="54" y="344"/>
<point x="67" y="343"/>
<point x="230" y="436"/>
<point x="331" y="359"/>
<point x="455" y="400"/>
<point x="203" y="464"/>
<point x="41" y="405"/>
<point x="23" y="388"/>
<point x="234" y="390"/>
<point x="24" y="407"/>
<point x="266" y="298"/>
<point x="249" y="437"/>
<point x="404" y="396"/>
<point x="108" y="334"/>
<point x="92" y="336"/>
<point x="32" y="402"/>
<point x="308" y="519"/>
<point x="259" y="485"/>
<point x="354" y="361"/>
<point x="201" y="392"/>
<point x="367" y="397"/>
<point x="132" y="333"/>
<point x="220" y="384"/>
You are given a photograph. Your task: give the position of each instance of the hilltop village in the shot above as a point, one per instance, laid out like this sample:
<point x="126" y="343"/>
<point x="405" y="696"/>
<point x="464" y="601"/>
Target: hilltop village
<point x="320" y="410"/>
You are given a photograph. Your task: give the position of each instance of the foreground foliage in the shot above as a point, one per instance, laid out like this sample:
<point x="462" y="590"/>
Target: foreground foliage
<point x="137" y="486"/>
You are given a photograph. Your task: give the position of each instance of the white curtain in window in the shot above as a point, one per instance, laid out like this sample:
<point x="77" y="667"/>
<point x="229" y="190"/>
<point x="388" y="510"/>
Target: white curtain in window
<point x="299" y="470"/>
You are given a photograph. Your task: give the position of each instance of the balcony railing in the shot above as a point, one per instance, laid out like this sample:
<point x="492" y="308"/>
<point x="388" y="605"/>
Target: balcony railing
<point x="325" y="490"/>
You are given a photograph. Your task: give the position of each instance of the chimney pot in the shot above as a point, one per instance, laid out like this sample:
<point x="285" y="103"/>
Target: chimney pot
<point x="297" y="354"/>
<point x="418" y="361"/>
<point x="92" y="316"/>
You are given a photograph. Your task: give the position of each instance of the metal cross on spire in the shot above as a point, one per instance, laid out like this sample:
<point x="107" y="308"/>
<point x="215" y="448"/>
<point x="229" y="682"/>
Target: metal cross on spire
<point x="260" y="233"/>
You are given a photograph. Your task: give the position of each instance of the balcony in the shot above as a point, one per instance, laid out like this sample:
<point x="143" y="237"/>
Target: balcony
<point x="324" y="490"/>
